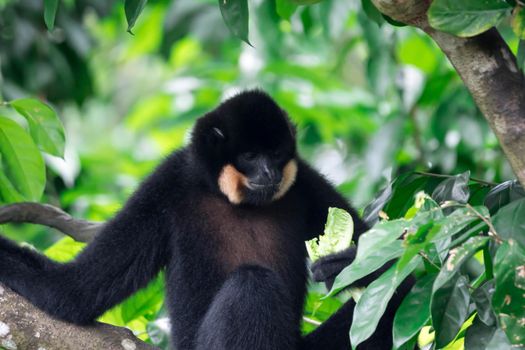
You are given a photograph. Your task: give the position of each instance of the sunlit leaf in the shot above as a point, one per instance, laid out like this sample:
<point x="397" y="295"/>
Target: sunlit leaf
<point x="64" y="250"/>
<point x="518" y="22"/>
<point x="50" y="11"/>
<point x="374" y="301"/>
<point x="44" y="125"/>
<point x="414" y="312"/>
<point x="449" y="309"/>
<point x="147" y="301"/>
<point x="236" y="17"/>
<point x="466" y="17"/>
<point x="21" y="160"/>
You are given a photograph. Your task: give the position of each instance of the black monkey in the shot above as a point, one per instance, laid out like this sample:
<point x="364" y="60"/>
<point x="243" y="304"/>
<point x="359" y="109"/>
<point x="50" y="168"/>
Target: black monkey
<point x="226" y="217"/>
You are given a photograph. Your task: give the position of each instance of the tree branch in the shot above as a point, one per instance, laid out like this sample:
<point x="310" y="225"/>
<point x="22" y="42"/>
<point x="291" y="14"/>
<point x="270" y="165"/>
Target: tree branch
<point x="51" y="216"/>
<point x="489" y="70"/>
<point x="23" y="326"/>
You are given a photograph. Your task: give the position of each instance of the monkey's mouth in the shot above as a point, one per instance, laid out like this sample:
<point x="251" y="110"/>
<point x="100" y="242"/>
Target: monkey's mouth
<point x="254" y="186"/>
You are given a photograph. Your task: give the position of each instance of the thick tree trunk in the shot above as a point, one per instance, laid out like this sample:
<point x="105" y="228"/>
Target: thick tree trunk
<point x="488" y="69"/>
<point x="24" y="327"/>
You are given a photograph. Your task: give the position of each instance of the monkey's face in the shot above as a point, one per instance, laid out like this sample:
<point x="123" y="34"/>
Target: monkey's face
<point x="248" y="146"/>
<point x="257" y="178"/>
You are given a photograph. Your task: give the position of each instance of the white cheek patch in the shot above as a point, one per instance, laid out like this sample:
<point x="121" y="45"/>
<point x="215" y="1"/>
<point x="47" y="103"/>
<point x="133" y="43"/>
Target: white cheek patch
<point x="289" y="175"/>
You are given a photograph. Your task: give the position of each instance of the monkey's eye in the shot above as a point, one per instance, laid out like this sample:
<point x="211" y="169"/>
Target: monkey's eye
<point x="277" y="153"/>
<point x="248" y="156"/>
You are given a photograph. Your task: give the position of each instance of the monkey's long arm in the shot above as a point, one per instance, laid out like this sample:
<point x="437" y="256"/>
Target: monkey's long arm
<point x="126" y="254"/>
<point x="321" y="196"/>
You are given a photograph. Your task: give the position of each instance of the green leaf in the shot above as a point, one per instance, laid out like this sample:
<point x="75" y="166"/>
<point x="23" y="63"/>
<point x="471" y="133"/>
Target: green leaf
<point x="414" y="311"/>
<point x="503" y="194"/>
<point x="466" y="18"/>
<point x="482" y="297"/>
<point x="363" y="266"/>
<point x="50" y="11"/>
<point x="44" y="125"/>
<point x="453" y="189"/>
<point x="147" y="301"/>
<point x="449" y="309"/>
<point x="379" y="236"/>
<point x="457" y="257"/>
<point x="306" y="2"/>
<point x="372" y="12"/>
<point x="509" y="297"/>
<point x="337" y="236"/>
<point x="64" y="250"/>
<point x="509" y="222"/>
<point x="285" y="8"/>
<point x="374" y="300"/>
<point x="479" y="336"/>
<point x="235" y="15"/>
<point x="518" y="22"/>
<point x="22" y="162"/>
<point x="133" y="8"/>
<point x="521" y="55"/>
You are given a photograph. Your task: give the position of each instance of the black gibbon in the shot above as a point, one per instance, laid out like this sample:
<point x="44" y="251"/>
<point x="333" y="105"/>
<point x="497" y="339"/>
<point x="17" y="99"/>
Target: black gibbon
<point x="226" y="217"/>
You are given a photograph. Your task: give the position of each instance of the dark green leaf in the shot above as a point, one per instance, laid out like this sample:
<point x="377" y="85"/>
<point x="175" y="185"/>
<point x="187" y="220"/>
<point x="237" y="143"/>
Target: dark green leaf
<point x="503" y="194"/>
<point x="449" y="309"/>
<point x="235" y="15"/>
<point x="44" y="125"/>
<point x="414" y="311"/>
<point x="374" y="300"/>
<point x="50" y="11"/>
<point x="453" y="189"/>
<point x="21" y="160"/>
<point x="482" y="297"/>
<point x="479" y="336"/>
<point x="372" y="12"/>
<point x="509" y="297"/>
<point x="133" y="8"/>
<point x="371" y="211"/>
<point x="457" y="257"/>
<point x="466" y="18"/>
<point x="521" y="54"/>
<point x="363" y="266"/>
<point x="509" y="221"/>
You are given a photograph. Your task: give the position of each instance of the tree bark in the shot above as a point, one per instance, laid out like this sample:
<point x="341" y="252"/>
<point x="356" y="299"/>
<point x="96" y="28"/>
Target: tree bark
<point x="489" y="70"/>
<point x="24" y="327"/>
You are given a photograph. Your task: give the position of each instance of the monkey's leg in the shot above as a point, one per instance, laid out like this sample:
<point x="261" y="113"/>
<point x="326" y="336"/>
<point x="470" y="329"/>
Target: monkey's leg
<point x="250" y="311"/>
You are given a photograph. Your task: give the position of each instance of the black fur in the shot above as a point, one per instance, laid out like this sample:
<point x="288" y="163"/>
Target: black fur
<point x="236" y="274"/>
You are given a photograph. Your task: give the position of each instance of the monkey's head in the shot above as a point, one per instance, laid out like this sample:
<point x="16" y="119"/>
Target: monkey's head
<point x="247" y="147"/>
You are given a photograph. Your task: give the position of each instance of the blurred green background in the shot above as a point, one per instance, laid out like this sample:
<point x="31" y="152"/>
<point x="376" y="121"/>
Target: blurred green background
<point x="370" y="100"/>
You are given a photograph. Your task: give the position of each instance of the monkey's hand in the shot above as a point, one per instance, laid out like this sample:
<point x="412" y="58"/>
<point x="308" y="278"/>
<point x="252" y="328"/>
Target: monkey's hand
<point x="328" y="267"/>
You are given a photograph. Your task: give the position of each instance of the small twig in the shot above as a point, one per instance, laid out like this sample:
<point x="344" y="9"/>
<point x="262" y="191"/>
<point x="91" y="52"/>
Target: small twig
<point x="44" y="214"/>
<point x="492" y="230"/>
<point x="483" y="182"/>
<point x="311" y="321"/>
<point x="427" y="258"/>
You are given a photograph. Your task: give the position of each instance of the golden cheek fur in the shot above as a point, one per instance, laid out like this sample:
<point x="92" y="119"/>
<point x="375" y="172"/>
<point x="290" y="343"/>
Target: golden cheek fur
<point x="289" y="175"/>
<point x="232" y="182"/>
